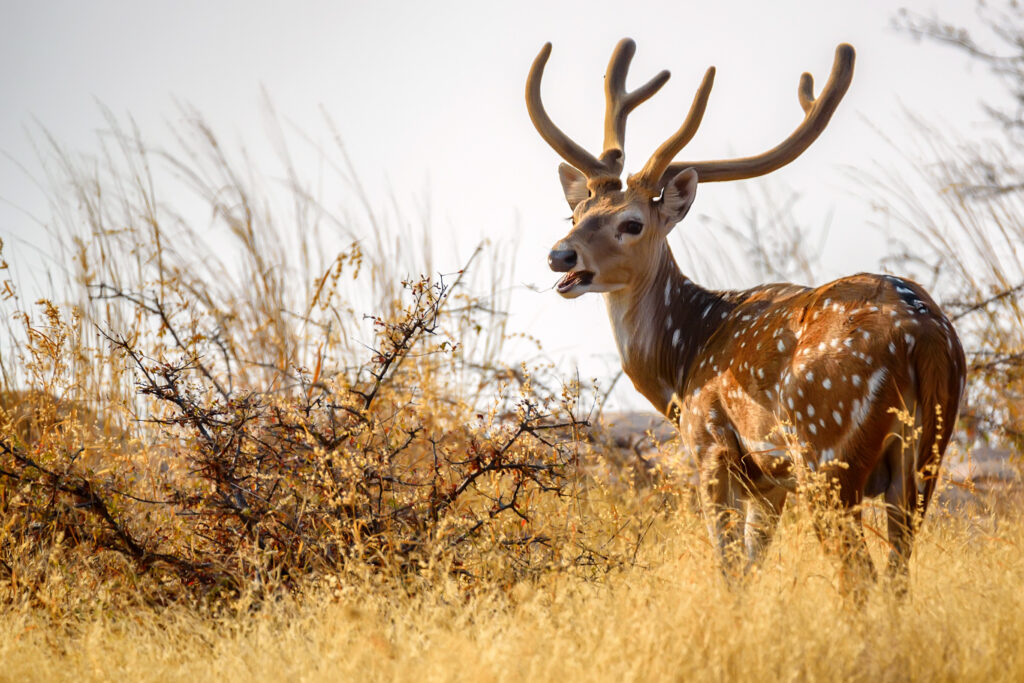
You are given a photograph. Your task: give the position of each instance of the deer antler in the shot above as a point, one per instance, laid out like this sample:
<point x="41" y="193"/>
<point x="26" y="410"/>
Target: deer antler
<point x="818" y="111"/>
<point x="656" y="165"/>
<point x="618" y="104"/>
<point x="566" y="147"/>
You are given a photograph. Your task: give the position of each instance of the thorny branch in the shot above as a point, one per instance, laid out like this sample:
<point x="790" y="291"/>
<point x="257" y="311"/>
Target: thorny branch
<point x="280" y="485"/>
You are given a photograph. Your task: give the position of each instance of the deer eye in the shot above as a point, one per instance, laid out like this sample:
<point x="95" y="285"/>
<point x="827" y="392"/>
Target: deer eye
<point x="630" y="227"/>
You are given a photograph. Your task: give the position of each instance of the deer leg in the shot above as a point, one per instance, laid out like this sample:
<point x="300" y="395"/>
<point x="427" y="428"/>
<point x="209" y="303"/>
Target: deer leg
<point x="720" y="499"/>
<point x="858" y="571"/>
<point x="763" y="512"/>
<point x="900" y="504"/>
<point x="842" y="531"/>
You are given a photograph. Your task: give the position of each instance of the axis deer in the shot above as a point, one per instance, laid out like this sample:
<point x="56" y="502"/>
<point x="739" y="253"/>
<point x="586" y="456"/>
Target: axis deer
<point x="765" y="383"/>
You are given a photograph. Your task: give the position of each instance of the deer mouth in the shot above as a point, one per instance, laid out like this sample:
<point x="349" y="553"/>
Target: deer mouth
<point x="574" y="279"/>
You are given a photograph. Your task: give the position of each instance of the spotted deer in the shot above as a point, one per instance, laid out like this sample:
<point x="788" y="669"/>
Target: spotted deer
<point x="858" y="380"/>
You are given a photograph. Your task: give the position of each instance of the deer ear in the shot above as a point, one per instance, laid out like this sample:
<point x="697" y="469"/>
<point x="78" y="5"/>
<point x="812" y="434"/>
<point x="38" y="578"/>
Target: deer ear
<point x="574" y="185"/>
<point x="678" y="196"/>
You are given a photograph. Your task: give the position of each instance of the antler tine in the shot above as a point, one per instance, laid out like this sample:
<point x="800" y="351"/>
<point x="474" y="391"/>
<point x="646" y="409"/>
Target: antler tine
<point x="818" y="111"/>
<point x="659" y="161"/>
<point x="619" y="102"/>
<point x="552" y="134"/>
<point x="805" y="91"/>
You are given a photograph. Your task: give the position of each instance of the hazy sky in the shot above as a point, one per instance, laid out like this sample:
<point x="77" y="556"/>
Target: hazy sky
<point x="428" y="98"/>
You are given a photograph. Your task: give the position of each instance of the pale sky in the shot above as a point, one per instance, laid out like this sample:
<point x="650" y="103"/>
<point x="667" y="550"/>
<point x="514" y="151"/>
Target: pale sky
<point x="428" y="98"/>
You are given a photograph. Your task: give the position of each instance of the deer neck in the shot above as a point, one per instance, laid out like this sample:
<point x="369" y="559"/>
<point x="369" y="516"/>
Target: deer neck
<point x="661" y="325"/>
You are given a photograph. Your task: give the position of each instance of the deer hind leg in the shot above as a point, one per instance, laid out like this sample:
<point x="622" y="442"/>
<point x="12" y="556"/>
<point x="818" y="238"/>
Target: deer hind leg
<point x="840" y="527"/>
<point x="857" y="571"/>
<point x="763" y="512"/>
<point x="900" y="506"/>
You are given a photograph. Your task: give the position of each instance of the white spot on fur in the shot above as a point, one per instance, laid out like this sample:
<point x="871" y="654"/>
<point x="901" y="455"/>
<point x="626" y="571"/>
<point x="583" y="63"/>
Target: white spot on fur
<point x="827" y="383"/>
<point x="810" y="410"/>
<point x="875" y="382"/>
<point x="838" y="417"/>
<point x="858" y="411"/>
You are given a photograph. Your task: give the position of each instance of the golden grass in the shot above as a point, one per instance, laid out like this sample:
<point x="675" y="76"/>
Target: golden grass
<point x="624" y="585"/>
<point x="671" y="617"/>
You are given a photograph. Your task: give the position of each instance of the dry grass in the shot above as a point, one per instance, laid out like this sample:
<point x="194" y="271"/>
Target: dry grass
<point x="671" y="618"/>
<point x="270" y="455"/>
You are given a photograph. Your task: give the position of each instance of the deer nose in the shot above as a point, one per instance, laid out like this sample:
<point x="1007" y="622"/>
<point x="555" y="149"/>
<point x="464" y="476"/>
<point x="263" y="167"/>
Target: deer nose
<point x="562" y="260"/>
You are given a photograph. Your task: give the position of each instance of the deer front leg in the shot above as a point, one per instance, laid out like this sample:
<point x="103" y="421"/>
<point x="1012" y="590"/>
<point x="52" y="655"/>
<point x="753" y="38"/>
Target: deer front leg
<point x="721" y="492"/>
<point x="763" y="512"/>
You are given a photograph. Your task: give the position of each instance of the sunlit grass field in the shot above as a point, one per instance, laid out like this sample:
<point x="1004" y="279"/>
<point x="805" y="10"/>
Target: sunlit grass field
<point x="669" y="617"/>
<point x="291" y="454"/>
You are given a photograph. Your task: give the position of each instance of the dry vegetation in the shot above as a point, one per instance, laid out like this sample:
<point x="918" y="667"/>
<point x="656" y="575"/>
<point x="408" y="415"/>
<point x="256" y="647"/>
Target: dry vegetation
<point x="303" y="461"/>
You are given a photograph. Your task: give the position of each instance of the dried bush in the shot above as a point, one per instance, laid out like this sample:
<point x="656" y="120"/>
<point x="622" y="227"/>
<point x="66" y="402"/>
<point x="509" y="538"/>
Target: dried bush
<point x="202" y="432"/>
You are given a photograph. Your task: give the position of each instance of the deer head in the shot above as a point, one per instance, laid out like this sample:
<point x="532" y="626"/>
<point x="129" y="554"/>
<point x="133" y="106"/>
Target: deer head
<point x="618" y="234"/>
